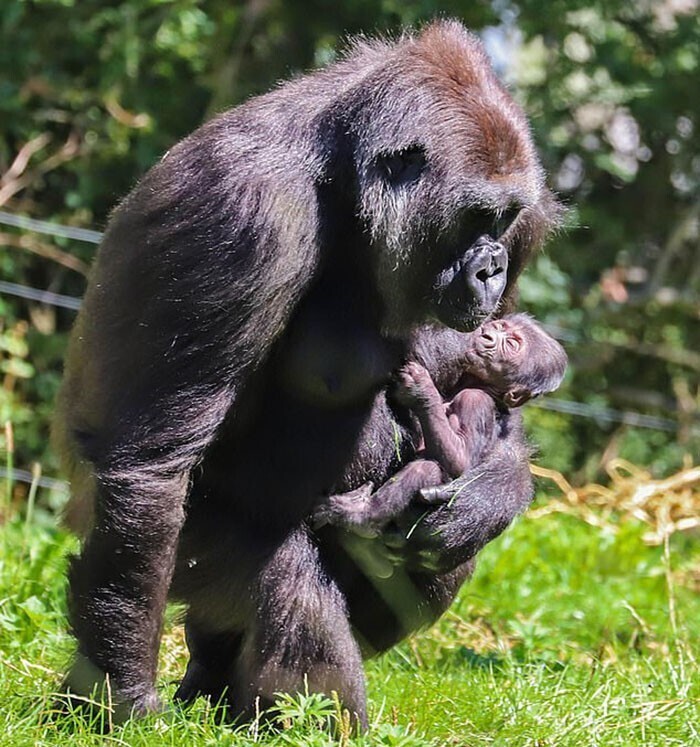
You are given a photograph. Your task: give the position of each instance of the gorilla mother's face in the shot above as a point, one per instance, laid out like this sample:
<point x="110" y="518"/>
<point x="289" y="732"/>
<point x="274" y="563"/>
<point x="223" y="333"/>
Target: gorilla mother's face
<point x="451" y="190"/>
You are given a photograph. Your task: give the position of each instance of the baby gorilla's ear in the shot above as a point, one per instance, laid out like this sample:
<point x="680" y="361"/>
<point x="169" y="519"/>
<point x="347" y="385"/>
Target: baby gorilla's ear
<point x="516" y="397"/>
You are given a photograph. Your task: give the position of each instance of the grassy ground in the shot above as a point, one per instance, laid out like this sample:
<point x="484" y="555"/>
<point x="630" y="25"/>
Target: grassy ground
<point x="568" y="635"/>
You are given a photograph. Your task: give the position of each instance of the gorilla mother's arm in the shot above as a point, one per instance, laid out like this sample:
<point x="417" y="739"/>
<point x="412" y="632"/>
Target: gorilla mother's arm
<point x="479" y="506"/>
<point x="153" y="368"/>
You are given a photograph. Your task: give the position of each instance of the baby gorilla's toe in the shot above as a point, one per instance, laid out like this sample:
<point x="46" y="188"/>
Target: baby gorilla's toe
<point x="345" y="510"/>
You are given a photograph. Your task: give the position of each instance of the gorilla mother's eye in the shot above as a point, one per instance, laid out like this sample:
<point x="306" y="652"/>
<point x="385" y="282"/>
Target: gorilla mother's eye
<point x="402" y="166"/>
<point x="504" y="220"/>
<point x="488" y="222"/>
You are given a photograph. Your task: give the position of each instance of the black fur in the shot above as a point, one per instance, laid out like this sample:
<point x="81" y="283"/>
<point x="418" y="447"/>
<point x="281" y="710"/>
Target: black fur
<point x="390" y="594"/>
<point x="250" y="298"/>
<point x="405" y="578"/>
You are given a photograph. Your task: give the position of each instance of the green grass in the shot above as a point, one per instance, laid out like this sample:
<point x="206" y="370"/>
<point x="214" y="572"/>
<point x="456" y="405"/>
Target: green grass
<point x="568" y="635"/>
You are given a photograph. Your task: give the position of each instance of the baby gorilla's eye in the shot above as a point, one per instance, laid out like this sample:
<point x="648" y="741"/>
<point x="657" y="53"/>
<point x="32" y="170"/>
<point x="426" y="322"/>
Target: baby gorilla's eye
<point x="513" y="343"/>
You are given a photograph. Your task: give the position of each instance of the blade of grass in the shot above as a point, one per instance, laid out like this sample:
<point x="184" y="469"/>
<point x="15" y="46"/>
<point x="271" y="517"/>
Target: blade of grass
<point x="10" y="463"/>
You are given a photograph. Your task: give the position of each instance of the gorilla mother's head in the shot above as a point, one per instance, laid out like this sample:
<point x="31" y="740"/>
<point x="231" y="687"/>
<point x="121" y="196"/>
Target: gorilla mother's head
<point x="450" y="188"/>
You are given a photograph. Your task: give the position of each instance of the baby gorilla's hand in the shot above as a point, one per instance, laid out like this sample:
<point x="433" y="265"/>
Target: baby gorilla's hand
<point x="414" y="387"/>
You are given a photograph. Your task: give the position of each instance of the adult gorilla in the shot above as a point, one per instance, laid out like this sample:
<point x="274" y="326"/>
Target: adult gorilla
<point x="250" y="298"/>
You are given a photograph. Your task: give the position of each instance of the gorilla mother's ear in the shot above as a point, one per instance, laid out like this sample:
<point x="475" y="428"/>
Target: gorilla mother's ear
<point x="401" y="167"/>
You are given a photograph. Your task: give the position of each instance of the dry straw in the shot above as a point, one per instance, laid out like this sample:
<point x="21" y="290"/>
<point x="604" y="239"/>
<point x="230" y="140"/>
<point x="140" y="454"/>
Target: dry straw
<point x="666" y="506"/>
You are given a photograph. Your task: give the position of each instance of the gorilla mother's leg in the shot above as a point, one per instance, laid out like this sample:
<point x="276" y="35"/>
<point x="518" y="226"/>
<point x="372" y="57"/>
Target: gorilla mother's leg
<point x="118" y="588"/>
<point x="300" y="638"/>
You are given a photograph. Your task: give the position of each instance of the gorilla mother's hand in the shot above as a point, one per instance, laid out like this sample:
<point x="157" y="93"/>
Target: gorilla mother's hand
<point x="473" y="509"/>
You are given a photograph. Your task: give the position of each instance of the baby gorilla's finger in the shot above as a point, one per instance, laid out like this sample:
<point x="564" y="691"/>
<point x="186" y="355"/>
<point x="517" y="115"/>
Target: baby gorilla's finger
<point x="434" y="496"/>
<point x="410" y="381"/>
<point x="319" y="518"/>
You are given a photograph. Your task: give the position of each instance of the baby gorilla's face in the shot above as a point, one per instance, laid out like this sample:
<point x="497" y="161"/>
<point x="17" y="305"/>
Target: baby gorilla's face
<point x="496" y="353"/>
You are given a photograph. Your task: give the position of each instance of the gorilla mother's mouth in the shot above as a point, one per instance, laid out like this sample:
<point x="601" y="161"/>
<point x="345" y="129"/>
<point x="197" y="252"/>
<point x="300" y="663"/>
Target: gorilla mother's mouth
<point x="470" y="289"/>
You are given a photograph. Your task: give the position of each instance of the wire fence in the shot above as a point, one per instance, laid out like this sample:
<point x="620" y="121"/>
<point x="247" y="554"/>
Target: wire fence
<point x="606" y="414"/>
<point x="602" y="415"/>
<point x="51" y="229"/>
<point x="42" y="296"/>
<point x="25" y="476"/>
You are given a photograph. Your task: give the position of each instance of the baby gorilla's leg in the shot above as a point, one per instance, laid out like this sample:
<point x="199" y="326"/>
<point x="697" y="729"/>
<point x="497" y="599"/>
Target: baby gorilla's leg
<point x="345" y="509"/>
<point x="365" y="513"/>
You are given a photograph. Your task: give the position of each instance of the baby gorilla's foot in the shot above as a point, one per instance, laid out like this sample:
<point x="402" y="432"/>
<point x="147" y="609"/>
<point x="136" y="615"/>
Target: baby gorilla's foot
<point x="349" y="510"/>
<point x="415" y="388"/>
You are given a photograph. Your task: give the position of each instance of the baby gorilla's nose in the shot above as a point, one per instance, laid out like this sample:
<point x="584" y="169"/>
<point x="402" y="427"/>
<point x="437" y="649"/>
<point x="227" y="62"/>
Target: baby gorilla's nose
<point x="491" y="332"/>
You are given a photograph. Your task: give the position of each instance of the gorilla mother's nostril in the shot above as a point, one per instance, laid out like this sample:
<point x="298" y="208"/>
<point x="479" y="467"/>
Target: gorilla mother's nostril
<point x="487" y="273"/>
<point x="492" y="260"/>
<point x="471" y="288"/>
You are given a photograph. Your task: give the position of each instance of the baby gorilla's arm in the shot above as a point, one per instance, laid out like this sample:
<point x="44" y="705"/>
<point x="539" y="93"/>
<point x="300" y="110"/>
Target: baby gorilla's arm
<point x="457" y="434"/>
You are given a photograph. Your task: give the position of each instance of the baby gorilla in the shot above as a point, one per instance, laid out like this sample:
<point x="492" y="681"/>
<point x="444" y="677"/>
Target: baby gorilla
<point x="506" y="362"/>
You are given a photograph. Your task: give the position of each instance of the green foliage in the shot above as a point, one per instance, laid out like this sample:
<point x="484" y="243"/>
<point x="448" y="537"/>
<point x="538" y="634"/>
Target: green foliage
<point x="569" y="635"/>
<point x="92" y="94"/>
<point x="306" y="710"/>
<point x="552" y="437"/>
<point x="35" y="604"/>
<point x="608" y="87"/>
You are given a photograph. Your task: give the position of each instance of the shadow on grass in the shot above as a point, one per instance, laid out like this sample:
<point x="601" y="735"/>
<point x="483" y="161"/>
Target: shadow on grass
<point x="465" y="657"/>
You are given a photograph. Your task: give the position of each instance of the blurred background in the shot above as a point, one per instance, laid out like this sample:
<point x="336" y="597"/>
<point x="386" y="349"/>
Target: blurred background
<point x="92" y="93"/>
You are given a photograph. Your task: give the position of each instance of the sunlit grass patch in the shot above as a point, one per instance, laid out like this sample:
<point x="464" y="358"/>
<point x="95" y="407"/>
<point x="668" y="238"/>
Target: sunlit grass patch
<point x="571" y="633"/>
